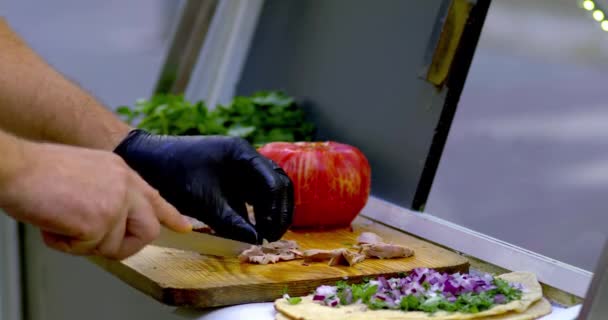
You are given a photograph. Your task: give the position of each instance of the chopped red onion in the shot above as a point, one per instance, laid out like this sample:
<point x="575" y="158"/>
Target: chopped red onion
<point x="326" y="291"/>
<point x="317" y="297"/>
<point x="333" y="302"/>
<point x="500" y="298"/>
<point x="383" y="283"/>
<point x="395" y="293"/>
<point x="381" y="296"/>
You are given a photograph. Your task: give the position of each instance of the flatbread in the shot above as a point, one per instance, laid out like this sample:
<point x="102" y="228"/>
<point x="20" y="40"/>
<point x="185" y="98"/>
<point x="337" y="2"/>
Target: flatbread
<point x="309" y="310"/>
<point x="538" y="309"/>
<point x="280" y="316"/>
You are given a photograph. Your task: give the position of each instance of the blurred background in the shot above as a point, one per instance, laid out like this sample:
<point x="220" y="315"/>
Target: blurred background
<point x="526" y="160"/>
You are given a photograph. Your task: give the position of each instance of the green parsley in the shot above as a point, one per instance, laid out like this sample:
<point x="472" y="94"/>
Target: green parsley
<point x="376" y="304"/>
<point x="260" y="118"/>
<point x="426" y="285"/>
<point x="503" y="287"/>
<point x="363" y="291"/>
<point x="294" y="300"/>
<point x="409" y="302"/>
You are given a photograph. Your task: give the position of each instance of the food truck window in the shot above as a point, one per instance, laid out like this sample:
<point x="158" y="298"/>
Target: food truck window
<point x="526" y="160"/>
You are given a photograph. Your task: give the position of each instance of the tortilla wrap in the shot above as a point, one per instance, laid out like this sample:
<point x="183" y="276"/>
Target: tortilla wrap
<point x="538" y="309"/>
<point x="309" y="310"/>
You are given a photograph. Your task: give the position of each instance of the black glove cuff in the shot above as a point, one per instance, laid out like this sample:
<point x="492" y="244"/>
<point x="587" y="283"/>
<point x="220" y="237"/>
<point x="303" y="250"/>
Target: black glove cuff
<point x="134" y="134"/>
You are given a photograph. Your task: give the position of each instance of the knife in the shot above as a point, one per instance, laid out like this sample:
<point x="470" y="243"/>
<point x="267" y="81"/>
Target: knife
<point x="200" y="242"/>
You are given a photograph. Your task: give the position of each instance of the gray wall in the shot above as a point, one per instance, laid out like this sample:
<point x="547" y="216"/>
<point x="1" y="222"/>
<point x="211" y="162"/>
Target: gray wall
<point x="355" y="64"/>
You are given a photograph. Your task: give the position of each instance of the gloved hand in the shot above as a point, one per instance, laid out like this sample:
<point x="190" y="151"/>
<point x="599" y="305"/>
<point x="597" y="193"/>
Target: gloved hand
<point x="211" y="178"/>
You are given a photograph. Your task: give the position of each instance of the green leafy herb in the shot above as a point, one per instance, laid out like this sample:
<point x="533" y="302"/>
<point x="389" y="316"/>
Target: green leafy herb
<point x="260" y="118"/>
<point x="409" y="302"/>
<point x="431" y="305"/>
<point x="473" y="303"/>
<point x="426" y="285"/>
<point x="294" y="300"/>
<point x="503" y="287"/>
<point x="376" y="304"/>
<point x="363" y="291"/>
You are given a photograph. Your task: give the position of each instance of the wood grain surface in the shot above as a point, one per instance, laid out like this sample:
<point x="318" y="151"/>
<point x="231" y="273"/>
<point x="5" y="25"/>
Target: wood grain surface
<point x="183" y="278"/>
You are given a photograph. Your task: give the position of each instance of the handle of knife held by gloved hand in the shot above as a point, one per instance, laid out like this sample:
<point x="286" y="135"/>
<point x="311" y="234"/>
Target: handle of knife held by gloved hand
<point x="212" y="178"/>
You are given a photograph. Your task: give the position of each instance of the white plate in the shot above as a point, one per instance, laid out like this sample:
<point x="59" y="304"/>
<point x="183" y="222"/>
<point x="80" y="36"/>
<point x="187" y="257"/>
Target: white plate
<point x="265" y="311"/>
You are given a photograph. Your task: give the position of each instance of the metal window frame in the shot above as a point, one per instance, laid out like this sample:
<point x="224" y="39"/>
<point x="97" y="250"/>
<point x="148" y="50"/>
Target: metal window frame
<point x="188" y="38"/>
<point x="209" y="46"/>
<point x="238" y="21"/>
<point x="221" y="59"/>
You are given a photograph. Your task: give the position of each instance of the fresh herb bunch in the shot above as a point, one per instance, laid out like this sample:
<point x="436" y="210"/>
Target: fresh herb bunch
<point x="263" y="117"/>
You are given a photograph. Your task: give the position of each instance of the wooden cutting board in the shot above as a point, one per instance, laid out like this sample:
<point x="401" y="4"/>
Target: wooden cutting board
<point x="182" y="278"/>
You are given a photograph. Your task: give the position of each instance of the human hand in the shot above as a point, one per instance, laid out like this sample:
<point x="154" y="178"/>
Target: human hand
<point x="86" y="201"/>
<point x="211" y="178"/>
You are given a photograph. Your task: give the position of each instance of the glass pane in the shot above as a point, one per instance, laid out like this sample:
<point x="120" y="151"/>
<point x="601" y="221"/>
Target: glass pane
<point x="527" y="156"/>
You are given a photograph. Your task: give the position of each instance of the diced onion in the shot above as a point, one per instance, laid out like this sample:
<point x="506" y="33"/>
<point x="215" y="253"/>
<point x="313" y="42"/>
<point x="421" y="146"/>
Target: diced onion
<point x="420" y="282"/>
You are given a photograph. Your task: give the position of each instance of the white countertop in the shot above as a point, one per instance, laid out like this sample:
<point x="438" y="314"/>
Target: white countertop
<point x="265" y="311"/>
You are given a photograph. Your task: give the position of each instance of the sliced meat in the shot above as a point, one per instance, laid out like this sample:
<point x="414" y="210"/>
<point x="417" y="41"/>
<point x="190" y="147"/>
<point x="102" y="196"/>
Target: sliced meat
<point x="253" y="251"/>
<point x="279" y="246"/>
<point x="370" y="245"/>
<point x="296" y="253"/>
<point x="385" y="251"/>
<point x="316" y="255"/>
<point x="265" y="259"/>
<point x="346" y="258"/>
<point x="336" y="257"/>
<point x="368" y="238"/>
<point x="273" y="252"/>
<point x="287" y="256"/>
<point x="353" y="258"/>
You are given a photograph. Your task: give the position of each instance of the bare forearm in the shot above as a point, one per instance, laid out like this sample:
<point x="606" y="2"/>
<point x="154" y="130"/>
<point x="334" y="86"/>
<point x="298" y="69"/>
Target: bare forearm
<point x="12" y="159"/>
<point x="38" y="103"/>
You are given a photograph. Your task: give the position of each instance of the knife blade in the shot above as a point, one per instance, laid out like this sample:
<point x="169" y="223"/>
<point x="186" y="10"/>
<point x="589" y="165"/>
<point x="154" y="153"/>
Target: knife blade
<point x="200" y="242"/>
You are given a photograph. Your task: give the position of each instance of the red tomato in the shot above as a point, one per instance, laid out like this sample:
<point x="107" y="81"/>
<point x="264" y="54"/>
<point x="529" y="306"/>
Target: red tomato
<point x="331" y="180"/>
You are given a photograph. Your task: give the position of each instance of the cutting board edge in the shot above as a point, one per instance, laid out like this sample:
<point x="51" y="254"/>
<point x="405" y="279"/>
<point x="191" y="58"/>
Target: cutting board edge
<point x="131" y="277"/>
<point x="185" y="297"/>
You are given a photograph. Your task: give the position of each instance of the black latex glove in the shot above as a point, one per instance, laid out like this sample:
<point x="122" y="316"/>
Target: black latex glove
<point x="211" y="178"/>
